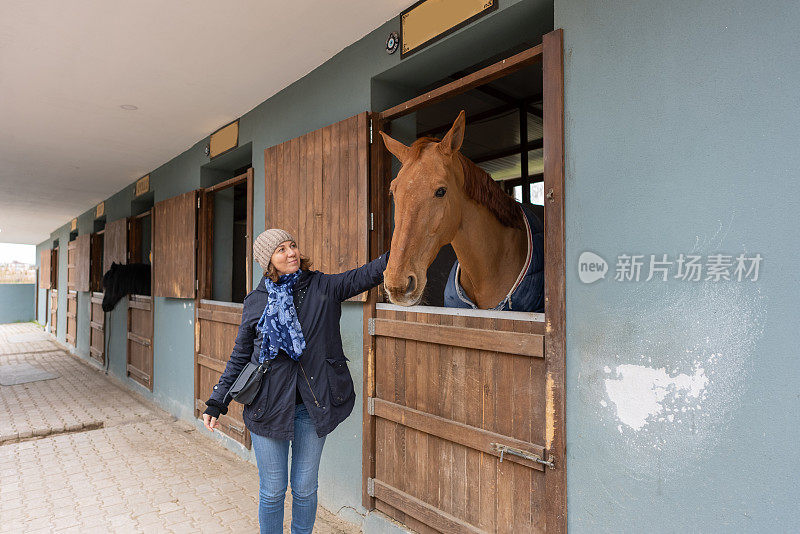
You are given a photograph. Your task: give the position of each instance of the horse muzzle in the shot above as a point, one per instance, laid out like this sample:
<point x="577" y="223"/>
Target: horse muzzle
<point x="406" y="292"/>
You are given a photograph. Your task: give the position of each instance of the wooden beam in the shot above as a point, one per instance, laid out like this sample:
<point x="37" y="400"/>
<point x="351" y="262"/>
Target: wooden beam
<point x="249" y="244"/>
<point x="523" y="156"/>
<point x="138" y="374"/>
<point x="219" y="316"/>
<point x="533" y="144"/>
<point x="210" y="363"/>
<point x="227" y="183"/>
<point x="475" y="117"/>
<point x="470" y="81"/>
<point x="463" y="434"/>
<point x="424" y="512"/>
<point x="494" y="92"/>
<point x="555" y="277"/>
<point x="139" y="305"/>
<point x="139" y="339"/>
<point x="471" y="338"/>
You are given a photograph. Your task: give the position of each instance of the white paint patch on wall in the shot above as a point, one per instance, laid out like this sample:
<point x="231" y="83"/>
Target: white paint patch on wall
<point x="667" y="364"/>
<point x="640" y="393"/>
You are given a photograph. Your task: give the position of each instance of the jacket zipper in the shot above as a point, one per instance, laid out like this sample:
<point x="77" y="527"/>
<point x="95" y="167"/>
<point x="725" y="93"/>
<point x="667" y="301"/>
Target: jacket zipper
<point x="309" y="384"/>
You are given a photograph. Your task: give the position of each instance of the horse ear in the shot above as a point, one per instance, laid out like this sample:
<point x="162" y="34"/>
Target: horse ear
<point x="395" y="147"/>
<point x="452" y="141"/>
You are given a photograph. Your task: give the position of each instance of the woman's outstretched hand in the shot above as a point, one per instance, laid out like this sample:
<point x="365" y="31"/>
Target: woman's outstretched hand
<point x="209" y="422"/>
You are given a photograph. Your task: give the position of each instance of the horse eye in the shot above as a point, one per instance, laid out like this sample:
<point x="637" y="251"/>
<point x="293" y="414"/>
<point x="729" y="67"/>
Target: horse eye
<point x="440" y="192"/>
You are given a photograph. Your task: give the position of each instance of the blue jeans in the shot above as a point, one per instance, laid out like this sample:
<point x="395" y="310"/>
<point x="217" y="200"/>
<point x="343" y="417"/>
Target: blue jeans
<point x="272" y="458"/>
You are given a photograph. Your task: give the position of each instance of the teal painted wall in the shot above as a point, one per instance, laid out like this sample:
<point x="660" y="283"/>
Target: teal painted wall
<point x="681" y="136"/>
<point x="41" y="294"/>
<point x="17" y="302"/>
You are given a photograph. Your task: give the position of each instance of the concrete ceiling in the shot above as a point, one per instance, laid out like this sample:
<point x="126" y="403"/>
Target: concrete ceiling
<point x="66" y="68"/>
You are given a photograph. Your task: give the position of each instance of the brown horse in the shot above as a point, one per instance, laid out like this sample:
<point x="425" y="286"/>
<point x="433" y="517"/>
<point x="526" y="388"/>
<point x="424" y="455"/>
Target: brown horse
<point x="441" y="197"/>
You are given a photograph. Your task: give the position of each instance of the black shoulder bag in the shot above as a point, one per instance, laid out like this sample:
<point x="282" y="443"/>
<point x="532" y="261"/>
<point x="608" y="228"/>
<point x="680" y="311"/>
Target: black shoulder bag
<point x="248" y="383"/>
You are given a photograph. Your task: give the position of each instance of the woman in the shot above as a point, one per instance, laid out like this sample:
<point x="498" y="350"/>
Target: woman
<point x="292" y="318"/>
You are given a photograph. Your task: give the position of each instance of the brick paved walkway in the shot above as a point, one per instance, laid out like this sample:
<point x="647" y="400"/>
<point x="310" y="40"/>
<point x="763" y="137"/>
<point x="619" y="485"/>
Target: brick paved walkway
<point x="80" y="454"/>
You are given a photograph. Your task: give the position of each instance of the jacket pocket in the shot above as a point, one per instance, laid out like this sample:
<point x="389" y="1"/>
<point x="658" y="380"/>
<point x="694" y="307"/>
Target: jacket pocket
<point x="257" y="409"/>
<point x="339" y="381"/>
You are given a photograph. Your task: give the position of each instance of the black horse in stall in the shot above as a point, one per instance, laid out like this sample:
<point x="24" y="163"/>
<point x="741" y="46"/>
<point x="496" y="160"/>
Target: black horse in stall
<point x="121" y="280"/>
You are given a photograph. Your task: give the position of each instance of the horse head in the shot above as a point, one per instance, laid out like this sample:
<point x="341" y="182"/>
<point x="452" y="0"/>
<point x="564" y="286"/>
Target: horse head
<point x="428" y="197"/>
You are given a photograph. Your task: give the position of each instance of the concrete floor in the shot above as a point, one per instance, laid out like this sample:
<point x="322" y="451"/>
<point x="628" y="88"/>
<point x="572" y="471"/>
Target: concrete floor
<point x="80" y="454"/>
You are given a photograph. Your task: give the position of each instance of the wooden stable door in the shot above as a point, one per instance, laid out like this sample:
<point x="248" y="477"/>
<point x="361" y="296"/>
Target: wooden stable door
<point x="72" y="296"/>
<point x="217" y="323"/>
<point x="460" y="419"/>
<point x="72" y="316"/>
<point x="53" y="311"/>
<point x="216" y="328"/>
<point x="97" y="321"/>
<point x="140" y="340"/>
<point x="464" y="413"/>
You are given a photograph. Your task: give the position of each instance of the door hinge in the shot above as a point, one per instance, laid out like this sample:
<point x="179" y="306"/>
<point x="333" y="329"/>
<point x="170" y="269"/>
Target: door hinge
<point x="371" y="326"/>
<point x="371" y="222"/>
<point x="197" y="285"/>
<point x="198" y="202"/>
<point x="371" y="487"/>
<point x="370" y="131"/>
<point x="371" y="405"/>
<point x="507" y="449"/>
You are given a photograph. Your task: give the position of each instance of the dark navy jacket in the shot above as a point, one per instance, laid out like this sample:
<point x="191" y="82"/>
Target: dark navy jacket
<point x="328" y="392"/>
<point x="528" y="293"/>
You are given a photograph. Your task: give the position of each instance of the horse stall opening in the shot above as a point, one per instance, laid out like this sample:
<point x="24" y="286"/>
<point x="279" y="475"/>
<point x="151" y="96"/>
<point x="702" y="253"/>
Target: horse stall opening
<point x="96" y="315"/>
<point x="464" y="415"/>
<point x="225" y="258"/>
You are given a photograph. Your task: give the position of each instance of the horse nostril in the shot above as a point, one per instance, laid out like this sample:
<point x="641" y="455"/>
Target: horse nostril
<point x="412" y="285"/>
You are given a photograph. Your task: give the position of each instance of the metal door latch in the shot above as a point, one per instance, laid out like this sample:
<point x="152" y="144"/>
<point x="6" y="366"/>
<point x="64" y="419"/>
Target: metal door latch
<point x="506" y="449"/>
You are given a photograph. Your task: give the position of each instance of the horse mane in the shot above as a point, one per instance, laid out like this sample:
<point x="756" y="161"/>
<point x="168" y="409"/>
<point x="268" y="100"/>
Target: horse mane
<point x="479" y="186"/>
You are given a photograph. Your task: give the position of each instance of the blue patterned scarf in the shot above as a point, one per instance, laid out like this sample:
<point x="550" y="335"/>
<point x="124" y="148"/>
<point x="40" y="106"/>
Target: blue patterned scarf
<point x="279" y="324"/>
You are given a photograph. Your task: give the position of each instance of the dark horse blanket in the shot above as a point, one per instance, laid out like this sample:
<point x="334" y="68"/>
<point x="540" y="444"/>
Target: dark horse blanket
<point x="527" y="293"/>
<point x="121" y="280"/>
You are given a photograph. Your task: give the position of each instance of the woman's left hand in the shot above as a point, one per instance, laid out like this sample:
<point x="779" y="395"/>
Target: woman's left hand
<point x="209" y="422"/>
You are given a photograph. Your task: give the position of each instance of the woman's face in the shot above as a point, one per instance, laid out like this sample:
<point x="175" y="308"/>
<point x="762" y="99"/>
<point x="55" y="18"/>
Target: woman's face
<point x="286" y="258"/>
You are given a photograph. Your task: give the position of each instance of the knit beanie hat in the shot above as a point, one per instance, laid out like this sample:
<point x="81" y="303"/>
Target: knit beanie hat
<point x="266" y="243"/>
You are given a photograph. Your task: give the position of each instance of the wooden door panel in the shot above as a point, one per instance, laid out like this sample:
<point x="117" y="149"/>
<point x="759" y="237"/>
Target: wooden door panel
<point x="115" y="243"/>
<point x="44" y="269"/>
<point x="82" y="261"/>
<point x="174" y="242"/>
<point x="71" y="271"/>
<point x="72" y="316"/>
<point x="443" y="404"/>
<point x="97" y="328"/>
<point x="140" y="340"/>
<point x="316" y="188"/>
<point x="53" y="311"/>
<point x="217" y="325"/>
